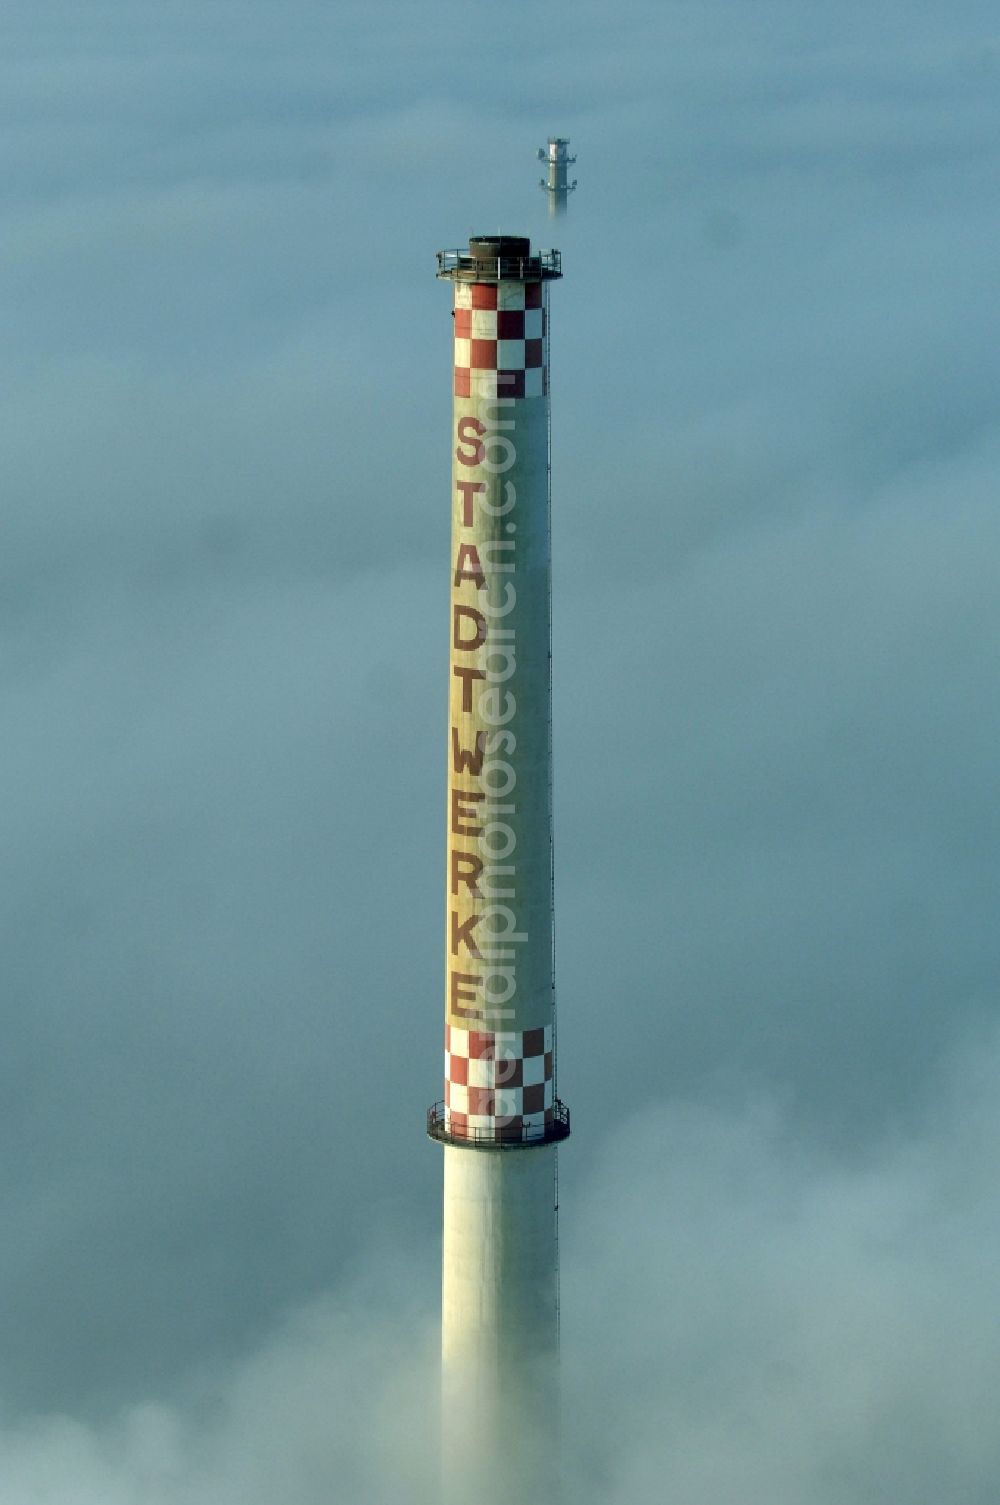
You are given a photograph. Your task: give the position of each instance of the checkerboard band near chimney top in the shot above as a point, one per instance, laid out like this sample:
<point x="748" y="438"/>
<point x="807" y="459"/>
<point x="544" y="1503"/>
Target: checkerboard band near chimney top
<point x="500" y="339"/>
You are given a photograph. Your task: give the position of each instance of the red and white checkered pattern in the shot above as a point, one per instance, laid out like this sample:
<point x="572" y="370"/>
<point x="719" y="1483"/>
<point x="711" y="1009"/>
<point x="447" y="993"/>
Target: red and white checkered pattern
<point x="497" y="1086"/>
<point x="499" y="340"/>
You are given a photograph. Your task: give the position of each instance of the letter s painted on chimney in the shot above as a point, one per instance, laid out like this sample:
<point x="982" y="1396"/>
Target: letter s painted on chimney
<point x="477" y="450"/>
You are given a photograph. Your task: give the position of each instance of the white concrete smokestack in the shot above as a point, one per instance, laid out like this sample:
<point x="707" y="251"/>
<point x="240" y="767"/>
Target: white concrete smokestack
<point x="556" y="181"/>
<point x="500" y="1120"/>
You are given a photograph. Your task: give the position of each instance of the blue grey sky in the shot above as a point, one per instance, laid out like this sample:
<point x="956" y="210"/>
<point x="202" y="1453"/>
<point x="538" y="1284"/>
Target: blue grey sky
<point x="223" y="599"/>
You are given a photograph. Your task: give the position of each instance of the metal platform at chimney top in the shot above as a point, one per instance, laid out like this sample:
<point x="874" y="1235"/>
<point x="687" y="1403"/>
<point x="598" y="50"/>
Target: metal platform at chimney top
<point x="461" y="266"/>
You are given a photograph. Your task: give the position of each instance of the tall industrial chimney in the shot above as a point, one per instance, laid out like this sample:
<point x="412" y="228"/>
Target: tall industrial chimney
<point x="556" y="181"/>
<point x="500" y="1120"/>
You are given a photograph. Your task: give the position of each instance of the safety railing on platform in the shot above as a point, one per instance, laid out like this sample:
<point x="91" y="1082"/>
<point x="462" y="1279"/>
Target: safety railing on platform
<point x="544" y="265"/>
<point x="500" y="1135"/>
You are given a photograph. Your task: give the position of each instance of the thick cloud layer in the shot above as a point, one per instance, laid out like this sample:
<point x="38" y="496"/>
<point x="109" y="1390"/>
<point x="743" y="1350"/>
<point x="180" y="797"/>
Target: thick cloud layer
<point x="750" y="1321"/>
<point x="742" y="1319"/>
<point x="222" y="602"/>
